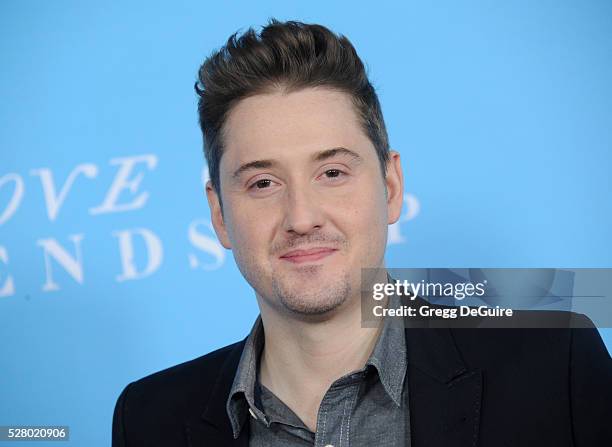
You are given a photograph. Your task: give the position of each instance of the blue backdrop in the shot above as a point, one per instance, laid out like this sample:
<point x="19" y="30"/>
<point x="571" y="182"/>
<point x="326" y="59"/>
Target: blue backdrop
<point x="109" y="269"/>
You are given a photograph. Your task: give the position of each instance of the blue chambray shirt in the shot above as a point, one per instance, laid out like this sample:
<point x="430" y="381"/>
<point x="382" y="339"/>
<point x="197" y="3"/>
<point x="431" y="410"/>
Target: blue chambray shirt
<point x="368" y="407"/>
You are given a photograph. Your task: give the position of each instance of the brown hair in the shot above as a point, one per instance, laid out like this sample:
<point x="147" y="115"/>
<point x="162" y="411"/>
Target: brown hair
<point x="287" y="56"/>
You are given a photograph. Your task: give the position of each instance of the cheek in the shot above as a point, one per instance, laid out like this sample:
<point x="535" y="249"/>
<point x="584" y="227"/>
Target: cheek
<point x="248" y="231"/>
<point x="364" y="215"/>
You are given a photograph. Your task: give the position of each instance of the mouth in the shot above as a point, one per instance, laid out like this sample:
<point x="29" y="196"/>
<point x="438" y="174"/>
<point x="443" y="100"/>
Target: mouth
<point x="310" y="255"/>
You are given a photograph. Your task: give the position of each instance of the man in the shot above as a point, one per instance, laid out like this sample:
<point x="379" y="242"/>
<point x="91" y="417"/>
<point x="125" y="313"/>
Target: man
<point x="303" y="187"/>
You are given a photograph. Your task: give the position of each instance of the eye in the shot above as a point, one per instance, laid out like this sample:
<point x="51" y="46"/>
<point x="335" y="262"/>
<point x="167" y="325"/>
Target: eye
<point x="261" y="184"/>
<point x="332" y="173"/>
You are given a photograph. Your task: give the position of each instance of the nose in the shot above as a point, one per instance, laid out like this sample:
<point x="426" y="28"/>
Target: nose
<point x="303" y="213"/>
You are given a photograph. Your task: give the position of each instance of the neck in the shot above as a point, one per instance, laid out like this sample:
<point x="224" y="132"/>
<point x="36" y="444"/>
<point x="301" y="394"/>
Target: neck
<point x="301" y="359"/>
<point x="323" y="350"/>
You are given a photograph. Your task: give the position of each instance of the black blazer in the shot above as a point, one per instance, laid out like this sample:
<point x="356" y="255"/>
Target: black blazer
<point x="467" y="387"/>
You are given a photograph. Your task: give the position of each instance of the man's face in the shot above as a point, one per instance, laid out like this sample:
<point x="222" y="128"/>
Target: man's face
<point x="304" y="203"/>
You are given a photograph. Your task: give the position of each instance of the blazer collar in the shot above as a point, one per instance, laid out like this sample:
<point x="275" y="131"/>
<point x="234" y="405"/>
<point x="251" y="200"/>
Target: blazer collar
<point x="445" y="395"/>
<point x="433" y="351"/>
<point x="213" y="427"/>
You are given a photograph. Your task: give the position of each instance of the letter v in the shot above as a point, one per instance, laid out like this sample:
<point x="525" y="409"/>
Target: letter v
<point x="54" y="201"/>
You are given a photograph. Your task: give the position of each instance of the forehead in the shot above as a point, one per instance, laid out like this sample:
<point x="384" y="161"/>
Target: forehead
<point x="279" y="124"/>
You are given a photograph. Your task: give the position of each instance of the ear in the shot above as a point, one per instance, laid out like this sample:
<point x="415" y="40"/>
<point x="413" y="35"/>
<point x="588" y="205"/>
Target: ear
<point x="216" y="215"/>
<point x="395" y="187"/>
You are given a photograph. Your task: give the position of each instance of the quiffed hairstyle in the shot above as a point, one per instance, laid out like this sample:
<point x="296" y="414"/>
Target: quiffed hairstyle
<point x="285" y="56"/>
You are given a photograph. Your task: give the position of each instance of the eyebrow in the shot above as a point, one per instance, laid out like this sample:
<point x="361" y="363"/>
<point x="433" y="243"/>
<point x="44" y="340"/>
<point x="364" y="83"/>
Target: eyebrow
<point x="329" y="153"/>
<point x="319" y="156"/>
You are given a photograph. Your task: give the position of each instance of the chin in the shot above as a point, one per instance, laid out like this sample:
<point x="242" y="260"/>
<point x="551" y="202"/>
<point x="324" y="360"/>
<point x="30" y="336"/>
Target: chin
<point x="319" y="299"/>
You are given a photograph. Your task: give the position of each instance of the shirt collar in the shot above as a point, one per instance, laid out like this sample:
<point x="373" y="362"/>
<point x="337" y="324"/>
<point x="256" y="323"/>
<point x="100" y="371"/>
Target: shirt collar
<point x="388" y="358"/>
<point x="389" y="354"/>
<point x="243" y="387"/>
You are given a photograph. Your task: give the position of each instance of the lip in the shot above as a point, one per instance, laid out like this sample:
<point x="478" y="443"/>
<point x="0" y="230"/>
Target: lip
<point x="310" y="255"/>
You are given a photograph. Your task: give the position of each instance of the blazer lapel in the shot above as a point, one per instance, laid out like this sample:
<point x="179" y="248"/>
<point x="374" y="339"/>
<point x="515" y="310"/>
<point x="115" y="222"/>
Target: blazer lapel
<point x="212" y="428"/>
<point x="445" y="397"/>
